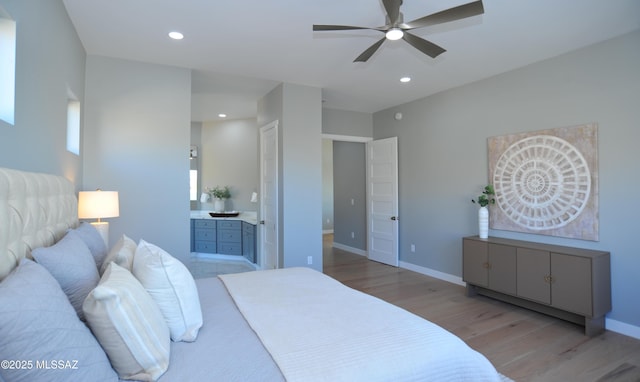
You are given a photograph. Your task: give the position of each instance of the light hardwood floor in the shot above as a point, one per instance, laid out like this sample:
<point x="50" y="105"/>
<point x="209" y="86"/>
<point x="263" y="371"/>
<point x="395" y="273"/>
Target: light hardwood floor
<point x="521" y="344"/>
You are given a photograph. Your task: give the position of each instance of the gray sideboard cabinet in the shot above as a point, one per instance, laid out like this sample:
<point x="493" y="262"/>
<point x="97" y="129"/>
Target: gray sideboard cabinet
<point x="569" y="283"/>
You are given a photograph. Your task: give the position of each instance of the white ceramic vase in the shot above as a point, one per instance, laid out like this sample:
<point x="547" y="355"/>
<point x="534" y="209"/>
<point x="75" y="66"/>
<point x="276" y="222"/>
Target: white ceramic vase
<point x="218" y="205"/>
<point x="483" y="222"/>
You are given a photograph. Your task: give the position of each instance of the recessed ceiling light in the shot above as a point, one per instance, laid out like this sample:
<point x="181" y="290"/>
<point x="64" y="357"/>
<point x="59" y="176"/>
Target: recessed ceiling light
<point x="176" y="35"/>
<point x="222" y="115"/>
<point x="405" y="79"/>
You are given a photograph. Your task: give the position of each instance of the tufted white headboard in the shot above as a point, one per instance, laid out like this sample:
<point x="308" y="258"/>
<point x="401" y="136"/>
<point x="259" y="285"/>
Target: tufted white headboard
<point x="36" y="210"/>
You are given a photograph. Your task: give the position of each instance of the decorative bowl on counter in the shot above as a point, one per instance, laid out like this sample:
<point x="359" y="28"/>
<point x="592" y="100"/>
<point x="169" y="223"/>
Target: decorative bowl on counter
<point x="226" y="214"/>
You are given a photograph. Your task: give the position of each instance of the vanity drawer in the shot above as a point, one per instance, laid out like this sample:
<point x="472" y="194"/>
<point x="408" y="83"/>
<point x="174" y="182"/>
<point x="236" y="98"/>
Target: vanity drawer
<point x="205" y="234"/>
<point x="248" y="227"/>
<point x="205" y="246"/>
<point x="205" y="223"/>
<point x="230" y="236"/>
<point x="229" y="224"/>
<point x="230" y="249"/>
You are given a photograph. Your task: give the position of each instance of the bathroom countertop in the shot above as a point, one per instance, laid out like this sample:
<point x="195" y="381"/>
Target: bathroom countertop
<point x="250" y="217"/>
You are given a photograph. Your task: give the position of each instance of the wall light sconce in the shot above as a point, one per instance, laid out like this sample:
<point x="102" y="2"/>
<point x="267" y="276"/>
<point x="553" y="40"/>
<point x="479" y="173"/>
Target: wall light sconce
<point x="99" y="205"/>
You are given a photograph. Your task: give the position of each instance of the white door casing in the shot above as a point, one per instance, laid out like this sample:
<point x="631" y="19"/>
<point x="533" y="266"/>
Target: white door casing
<point x="268" y="227"/>
<point x="382" y="200"/>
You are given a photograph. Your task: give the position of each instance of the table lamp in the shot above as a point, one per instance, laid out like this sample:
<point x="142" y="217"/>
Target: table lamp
<point x="99" y="205"/>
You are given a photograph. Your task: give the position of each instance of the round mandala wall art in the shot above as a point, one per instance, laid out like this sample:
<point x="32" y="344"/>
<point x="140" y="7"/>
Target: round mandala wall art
<point x="546" y="182"/>
<point x="542" y="182"/>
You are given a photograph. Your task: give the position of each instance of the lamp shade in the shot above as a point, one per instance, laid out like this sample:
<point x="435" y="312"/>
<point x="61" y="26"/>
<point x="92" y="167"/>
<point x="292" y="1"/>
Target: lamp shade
<point x="98" y="204"/>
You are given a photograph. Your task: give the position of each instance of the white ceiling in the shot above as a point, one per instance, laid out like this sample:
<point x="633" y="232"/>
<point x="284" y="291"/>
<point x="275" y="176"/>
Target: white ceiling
<point x="241" y="49"/>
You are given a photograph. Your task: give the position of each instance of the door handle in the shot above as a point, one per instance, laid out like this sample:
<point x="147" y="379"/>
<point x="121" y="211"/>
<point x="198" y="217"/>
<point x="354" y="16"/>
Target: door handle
<point x="394" y="218"/>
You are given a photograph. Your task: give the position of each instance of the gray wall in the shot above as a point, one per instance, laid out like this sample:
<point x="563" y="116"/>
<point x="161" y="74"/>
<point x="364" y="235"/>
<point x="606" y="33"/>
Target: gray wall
<point x="137" y="140"/>
<point x="344" y="122"/>
<point x="442" y="143"/>
<point x="350" y="189"/>
<point x="228" y="157"/>
<point x="46" y="68"/>
<point x="298" y="110"/>
<point x="327" y="186"/>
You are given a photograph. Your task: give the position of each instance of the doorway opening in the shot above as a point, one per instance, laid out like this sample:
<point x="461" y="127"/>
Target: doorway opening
<point x="344" y="193"/>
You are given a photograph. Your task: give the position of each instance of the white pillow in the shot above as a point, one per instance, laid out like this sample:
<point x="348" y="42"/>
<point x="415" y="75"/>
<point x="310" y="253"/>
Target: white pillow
<point x="129" y="326"/>
<point x="121" y="253"/>
<point x="172" y="287"/>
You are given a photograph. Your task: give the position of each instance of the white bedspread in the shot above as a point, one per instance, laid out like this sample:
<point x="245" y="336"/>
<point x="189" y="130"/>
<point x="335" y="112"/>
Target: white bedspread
<point x="317" y="329"/>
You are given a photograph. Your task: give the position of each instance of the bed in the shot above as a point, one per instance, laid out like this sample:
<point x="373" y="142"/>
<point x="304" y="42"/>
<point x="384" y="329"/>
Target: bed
<point x="293" y="324"/>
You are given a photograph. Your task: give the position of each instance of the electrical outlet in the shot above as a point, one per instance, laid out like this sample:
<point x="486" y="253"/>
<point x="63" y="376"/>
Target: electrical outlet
<point x="309" y="260"/>
<point x="353" y="235"/>
<point x="353" y="202"/>
<point x="413" y="247"/>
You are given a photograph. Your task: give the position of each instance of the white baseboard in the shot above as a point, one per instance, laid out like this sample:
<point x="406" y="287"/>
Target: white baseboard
<point x="622" y="328"/>
<point x="433" y="273"/>
<point x="610" y="324"/>
<point x="357" y="251"/>
<point x="327" y="231"/>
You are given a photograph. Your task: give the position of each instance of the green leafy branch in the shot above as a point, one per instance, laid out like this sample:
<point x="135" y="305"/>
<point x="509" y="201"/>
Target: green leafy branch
<point x="486" y="198"/>
<point x="219" y="192"/>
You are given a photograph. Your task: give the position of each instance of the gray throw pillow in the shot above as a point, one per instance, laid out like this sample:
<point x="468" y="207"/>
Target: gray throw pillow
<point x="91" y="237"/>
<point x="39" y="328"/>
<point x="70" y="262"/>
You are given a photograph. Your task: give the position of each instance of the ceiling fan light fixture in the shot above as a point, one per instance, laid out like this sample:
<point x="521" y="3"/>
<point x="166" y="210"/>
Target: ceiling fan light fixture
<point x="176" y="35"/>
<point x="394" y="34"/>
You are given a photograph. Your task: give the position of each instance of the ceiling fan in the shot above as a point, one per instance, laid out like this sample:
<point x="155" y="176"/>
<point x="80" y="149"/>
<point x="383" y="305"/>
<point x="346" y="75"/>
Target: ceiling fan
<point x="396" y="28"/>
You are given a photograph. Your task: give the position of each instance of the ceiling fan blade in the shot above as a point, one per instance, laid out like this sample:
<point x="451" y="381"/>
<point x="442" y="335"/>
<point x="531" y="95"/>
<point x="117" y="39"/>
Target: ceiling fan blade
<point x="456" y="13"/>
<point x="369" y="52"/>
<point x="393" y="9"/>
<point x="337" y="27"/>
<point x="426" y="47"/>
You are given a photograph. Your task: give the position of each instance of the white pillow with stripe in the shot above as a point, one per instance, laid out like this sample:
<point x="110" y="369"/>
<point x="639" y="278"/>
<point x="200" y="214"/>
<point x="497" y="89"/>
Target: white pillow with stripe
<point x="129" y="326"/>
<point x="173" y="288"/>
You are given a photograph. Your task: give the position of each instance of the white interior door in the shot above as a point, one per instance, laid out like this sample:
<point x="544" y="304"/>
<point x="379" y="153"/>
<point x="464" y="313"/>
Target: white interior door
<point x="382" y="200"/>
<point x="269" y="196"/>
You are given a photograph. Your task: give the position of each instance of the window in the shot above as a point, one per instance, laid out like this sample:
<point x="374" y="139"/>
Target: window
<point x="73" y="126"/>
<point x="193" y="185"/>
<point x="7" y="68"/>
